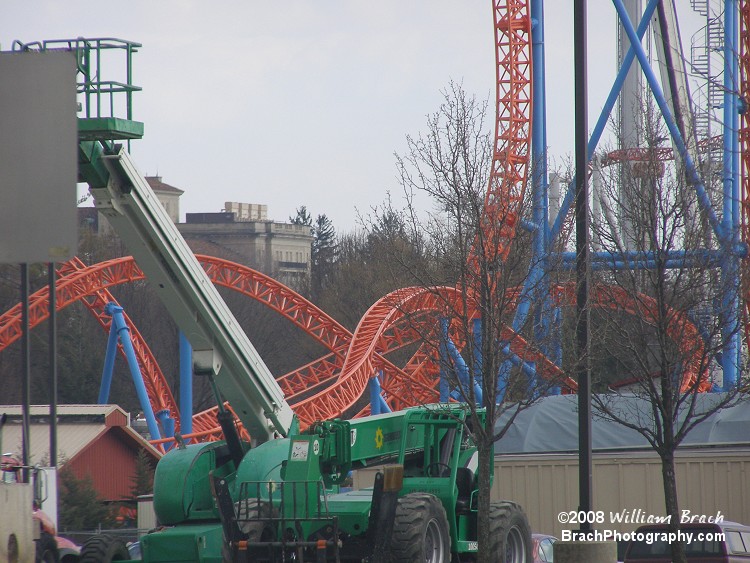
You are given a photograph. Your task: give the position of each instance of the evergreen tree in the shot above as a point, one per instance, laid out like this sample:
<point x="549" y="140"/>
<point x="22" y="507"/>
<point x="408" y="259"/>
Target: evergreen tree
<point x="303" y="217"/>
<point x="142" y="481"/>
<point x="80" y="505"/>
<point x="324" y="251"/>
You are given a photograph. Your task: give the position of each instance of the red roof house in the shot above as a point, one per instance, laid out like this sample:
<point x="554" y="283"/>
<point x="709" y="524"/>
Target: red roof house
<point x="94" y="440"/>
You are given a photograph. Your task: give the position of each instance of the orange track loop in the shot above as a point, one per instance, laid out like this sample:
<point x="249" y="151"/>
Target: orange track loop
<point x="81" y="282"/>
<point x="368" y="339"/>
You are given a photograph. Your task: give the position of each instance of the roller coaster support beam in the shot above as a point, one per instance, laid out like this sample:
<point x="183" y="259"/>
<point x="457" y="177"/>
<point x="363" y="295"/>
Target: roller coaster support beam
<point x="690" y="169"/>
<point x="167" y="423"/>
<point x="119" y="331"/>
<point x="730" y="269"/>
<point x="601" y="123"/>
<point x="536" y="288"/>
<point x="377" y="403"/>
<point x="726" y="231"/>
<point x="451" y="357"/>
<point x="109" y="366"/>
<point x="637" y="260"/>
<point x="186" y="385"/>
<point x="540" y="222"/>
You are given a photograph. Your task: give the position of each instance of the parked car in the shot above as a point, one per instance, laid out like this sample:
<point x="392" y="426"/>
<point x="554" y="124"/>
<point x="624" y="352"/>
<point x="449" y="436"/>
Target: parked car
<point x="541" y="548"/>
<point x="722" y="542"/>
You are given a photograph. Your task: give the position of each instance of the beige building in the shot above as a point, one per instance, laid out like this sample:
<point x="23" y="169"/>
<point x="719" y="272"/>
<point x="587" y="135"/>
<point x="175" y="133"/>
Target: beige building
<point x="536" y="464"/>
<point x="241" y="232"/>
<point x="627" y="486"/>
<point x="168" y="196"/>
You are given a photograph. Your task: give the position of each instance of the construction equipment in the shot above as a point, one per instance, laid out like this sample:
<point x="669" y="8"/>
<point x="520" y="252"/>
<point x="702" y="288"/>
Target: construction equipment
<point x="283" y="500"/>
<point x="279" y="498"/>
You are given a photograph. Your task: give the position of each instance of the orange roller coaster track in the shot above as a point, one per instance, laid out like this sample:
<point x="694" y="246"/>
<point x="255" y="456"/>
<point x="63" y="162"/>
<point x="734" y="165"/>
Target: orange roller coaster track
<point x="91" y="286"/>
<point x="333" y="385"/>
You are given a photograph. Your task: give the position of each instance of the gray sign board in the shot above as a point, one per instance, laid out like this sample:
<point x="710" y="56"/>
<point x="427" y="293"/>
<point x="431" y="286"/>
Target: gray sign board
<point x="38" y="157"/>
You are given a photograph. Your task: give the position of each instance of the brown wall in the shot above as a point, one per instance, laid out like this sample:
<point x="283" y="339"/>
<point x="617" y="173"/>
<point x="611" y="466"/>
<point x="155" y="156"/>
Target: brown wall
<point x="708" y="481"/>
<point x="111" y="463"/>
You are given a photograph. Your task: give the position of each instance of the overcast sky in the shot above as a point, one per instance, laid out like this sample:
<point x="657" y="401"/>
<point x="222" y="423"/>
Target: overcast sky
<point x="302" y="102"/>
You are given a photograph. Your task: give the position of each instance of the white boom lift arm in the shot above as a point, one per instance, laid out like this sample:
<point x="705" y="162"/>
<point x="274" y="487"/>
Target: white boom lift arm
<point x="220" y="346"/>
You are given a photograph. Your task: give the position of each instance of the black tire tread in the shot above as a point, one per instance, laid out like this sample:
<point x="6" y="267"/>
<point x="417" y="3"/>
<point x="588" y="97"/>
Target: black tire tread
<point x="412" y="513"/>
<point x="104" y="549"/>
<point x="504" y="515"/>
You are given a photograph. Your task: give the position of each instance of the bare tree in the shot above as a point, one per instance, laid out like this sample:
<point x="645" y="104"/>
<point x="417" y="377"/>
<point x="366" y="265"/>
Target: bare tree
<point x="660" y="317"/>
<point x="476" y="263"/>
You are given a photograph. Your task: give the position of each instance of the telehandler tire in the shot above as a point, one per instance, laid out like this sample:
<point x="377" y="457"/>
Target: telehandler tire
<point x="104" y="549"/>
<point x="510" y="534"/>
<point x="420" y="530"/>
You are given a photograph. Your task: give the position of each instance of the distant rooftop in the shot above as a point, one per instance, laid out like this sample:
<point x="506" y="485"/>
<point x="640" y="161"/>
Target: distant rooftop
<point x="65" y="410"/>
<point x="159" y="186"/>
<point x="78" y="426"/>
<point x="551" y="426"/>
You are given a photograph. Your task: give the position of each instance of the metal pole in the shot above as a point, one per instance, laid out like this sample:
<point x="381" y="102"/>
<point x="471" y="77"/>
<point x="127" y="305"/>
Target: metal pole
<point x="582" y="262"/>
<point x="52" y="284"/>
<point x="25" y="372"/>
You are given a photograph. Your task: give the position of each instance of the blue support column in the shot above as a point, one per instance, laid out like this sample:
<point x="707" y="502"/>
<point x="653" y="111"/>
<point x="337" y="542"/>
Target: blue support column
<point x="377" y="402"/>
<point x="167" y="423"/>
<point x="374" y="395"/>
<point x="123" y="333"/>
<point x="453" y="358"/>
<point x="186" y="385"/>
<point x="730" y="302"/>
<point x="539" y="184"/>
<point x="109" y="366"/>
<point x="550" y="336"/>
<point x="384" y="408"/>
